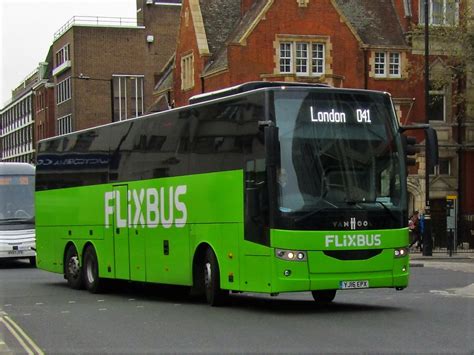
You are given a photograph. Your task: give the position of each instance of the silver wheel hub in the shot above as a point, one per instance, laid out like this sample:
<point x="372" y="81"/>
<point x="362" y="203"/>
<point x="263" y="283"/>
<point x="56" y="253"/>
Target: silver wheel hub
<point x="73" y="267"/>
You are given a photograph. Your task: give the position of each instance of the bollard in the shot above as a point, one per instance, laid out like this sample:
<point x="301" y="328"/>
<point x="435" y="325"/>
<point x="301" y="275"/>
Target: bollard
<point x="450" y="242"/>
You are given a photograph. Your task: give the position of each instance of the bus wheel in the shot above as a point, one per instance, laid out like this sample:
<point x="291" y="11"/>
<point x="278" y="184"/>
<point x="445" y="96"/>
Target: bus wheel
<point x="72" y="269"/>
<point x="214" y="295"/>
<point x="324" y="296"/>
<point x="32" y="261"/>
<point x="91" y="271"/>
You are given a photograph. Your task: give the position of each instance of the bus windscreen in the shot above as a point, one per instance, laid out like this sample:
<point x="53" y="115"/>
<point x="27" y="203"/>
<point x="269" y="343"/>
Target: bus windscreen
<point x="17" y="198"/>
<point x="338" y="151"/>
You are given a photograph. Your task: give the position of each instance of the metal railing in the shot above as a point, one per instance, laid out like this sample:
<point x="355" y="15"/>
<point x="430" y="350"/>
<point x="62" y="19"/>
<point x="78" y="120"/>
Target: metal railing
<point x="96" y="21"/>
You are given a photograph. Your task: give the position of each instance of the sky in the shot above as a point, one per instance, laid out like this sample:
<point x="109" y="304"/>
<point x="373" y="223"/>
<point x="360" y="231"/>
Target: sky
<point x="27" y="29"/>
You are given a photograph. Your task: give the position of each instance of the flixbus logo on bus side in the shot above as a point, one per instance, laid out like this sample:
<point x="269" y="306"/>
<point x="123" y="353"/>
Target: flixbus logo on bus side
<point x="355" y="240"/>
<point x="147" y="208"/>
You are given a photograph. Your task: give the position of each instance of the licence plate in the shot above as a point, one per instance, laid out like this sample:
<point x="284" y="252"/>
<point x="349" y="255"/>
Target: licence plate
<point x="15" y="252"/>
<point x="354" y="284"/>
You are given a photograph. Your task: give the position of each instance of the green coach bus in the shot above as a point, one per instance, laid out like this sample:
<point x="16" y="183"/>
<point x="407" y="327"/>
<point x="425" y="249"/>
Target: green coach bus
<point x="264" y="187"/>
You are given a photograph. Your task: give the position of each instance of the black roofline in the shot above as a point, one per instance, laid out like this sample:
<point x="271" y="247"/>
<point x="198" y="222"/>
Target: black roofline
<point x="224" y="94"/>
<point x="249" y="86"/>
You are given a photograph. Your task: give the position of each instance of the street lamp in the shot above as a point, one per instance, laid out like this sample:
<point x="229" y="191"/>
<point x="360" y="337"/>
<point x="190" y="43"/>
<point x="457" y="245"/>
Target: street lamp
<point x="427" y="240"/>
<point x="82" y="76"/>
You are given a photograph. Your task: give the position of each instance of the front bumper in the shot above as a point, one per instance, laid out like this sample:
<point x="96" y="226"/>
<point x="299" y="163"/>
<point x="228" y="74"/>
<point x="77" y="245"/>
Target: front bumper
<point x="321" y="272"/>
<point x="16" y="254"/>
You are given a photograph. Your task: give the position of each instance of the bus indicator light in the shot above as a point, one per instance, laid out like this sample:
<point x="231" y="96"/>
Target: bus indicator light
<point x="400" y="252"/>
<point x="291" y="255"/>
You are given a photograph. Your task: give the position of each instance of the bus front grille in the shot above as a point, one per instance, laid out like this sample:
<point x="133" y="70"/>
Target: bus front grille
<point x="353" y="254"/>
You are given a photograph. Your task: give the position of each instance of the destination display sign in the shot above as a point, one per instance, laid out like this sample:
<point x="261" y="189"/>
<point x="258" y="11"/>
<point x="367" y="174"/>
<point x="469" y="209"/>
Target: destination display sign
<point x="15" y="180"/>
<point x="336" y="116"/>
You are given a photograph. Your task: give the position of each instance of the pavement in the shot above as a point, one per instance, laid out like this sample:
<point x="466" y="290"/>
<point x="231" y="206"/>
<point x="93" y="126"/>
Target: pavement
<point x="460" y="261"/>
<point x="442" y="256"/>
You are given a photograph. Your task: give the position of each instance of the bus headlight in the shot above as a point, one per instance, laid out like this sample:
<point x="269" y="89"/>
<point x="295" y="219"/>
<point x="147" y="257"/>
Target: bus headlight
<point x="291" y="255"/>
<point x="400" y="252"/>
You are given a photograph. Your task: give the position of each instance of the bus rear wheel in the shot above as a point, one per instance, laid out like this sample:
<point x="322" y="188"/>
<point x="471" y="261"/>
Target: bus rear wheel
<point x="324" y="296"/>
<point x="91" y="271"/>
<point x="214" y="295"/>
<point x="72" y="269"/>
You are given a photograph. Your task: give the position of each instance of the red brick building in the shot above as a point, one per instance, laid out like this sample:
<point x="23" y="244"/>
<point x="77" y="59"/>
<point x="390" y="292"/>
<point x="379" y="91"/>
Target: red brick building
<point x="451" y="111"/>
<point x="43" y="103"/>
<point x="345" y="43"/>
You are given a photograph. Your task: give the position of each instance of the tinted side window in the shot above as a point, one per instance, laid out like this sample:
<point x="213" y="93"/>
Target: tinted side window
<point x="222" y="135"/>
<point x="73" y="160"/>
<point x="159" y="147"/>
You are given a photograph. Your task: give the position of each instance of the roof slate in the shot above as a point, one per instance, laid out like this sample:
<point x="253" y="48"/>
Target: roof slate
<point x="375" y="21"/>
<point x="166" y="80"/>
<point x="220" y="17"/>
<point x="219" y="58"/>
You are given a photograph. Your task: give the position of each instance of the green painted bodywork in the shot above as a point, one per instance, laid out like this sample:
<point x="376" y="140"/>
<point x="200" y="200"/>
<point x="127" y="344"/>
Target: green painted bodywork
<point x="215" y="217"/>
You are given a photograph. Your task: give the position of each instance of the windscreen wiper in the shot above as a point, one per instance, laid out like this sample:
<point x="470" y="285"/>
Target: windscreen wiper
<point x="17" y="220"/>
<point x="313" y="212"/>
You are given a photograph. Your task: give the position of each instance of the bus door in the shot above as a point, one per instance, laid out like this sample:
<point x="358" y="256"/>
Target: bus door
<point x="121" y="235"/>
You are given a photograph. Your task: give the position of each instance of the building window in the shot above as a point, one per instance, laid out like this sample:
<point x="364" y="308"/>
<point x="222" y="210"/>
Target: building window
<point x="285" y="57"/>
<point x="380" y="64"/>
<point x="394" y="65"/>
<point x="443" y="167"/>
<point x="303" y="58"/>
<point x="187" y="72"/>
<point x="317" y="64"/>
<point x="62" y="55"/>
<point x="442" y="12"/>
<point x="436" y="104"/>
<point x="63" y="91"/>
<point x="128" y="96"/>
<point x="387" y="65"/>
<point x="64" y="124"/>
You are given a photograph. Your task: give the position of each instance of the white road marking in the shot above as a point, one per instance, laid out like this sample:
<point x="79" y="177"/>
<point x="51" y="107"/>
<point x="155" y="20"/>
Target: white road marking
<point x="450" y="266"/>
<point x="24" y="340"/>
<point x="467" y="291"/>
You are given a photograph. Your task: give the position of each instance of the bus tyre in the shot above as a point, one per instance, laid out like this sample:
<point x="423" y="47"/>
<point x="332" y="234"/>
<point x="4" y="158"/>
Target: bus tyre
<point x="72" y="269"/>
<point x="91" y="271"/>
<point x="324" y="296"/>
<point x="214" y="295"/>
